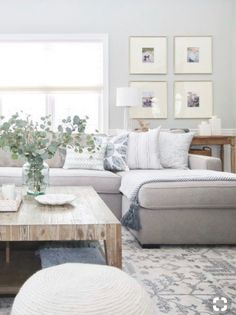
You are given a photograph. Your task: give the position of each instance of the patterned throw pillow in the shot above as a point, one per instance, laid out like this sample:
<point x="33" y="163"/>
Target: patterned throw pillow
<point x="174" y="149"/>
<point x="143" y="150"/>
<point x="115" y="157"/>
<point x="86" y="160"/>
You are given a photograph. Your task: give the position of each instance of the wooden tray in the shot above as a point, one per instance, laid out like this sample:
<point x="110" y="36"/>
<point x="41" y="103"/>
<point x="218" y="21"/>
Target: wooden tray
<point x="10" y="205"/>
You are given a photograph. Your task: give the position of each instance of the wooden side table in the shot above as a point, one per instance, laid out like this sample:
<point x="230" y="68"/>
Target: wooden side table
<point x="220" y="141"/>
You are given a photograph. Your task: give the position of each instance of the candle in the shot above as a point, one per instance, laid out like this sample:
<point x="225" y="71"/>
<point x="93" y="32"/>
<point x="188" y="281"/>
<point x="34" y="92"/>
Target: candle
<point x="9" y="191"/>
<point x="204" y="129"/>
<point x="215" y="123"/>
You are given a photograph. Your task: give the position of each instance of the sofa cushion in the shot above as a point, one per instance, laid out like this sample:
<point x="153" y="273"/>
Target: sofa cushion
<point x="188" y="195"/>
<point x="102" y="181"/>
<point x="7" y="161"/>
<point x="58" y="160"/>
<point x="11" y="175"/>
<point x="178" y="195"/>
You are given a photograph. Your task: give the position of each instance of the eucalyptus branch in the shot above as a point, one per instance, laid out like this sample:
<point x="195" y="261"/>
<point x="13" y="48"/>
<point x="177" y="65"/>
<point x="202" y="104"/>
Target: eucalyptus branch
<point x="37" y="141"/>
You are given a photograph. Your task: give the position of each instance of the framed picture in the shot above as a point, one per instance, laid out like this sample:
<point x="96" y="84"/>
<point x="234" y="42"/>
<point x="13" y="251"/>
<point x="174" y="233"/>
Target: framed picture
<point x="153" y="100"/>
<point x="148" y="55"/>
<point x="193" y="99"/>
<point x="193" y="55"/>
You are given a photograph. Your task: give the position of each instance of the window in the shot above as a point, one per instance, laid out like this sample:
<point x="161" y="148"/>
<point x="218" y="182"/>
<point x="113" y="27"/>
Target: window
<point x="55" y="76"/>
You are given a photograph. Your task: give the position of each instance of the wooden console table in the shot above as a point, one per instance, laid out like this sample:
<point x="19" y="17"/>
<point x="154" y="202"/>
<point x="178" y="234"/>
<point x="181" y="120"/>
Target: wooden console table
<point x="220" y="141"/>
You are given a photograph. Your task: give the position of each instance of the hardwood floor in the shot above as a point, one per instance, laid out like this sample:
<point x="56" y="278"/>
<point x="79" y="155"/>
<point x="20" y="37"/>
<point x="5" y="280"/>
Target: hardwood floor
<point x="22" y="265"/>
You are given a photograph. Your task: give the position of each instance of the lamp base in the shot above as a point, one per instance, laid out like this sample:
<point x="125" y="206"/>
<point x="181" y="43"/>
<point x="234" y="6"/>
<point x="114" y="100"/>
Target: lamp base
<point x="126" y="118"/>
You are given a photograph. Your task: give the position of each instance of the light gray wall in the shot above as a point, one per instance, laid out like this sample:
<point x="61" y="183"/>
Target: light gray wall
<point x="123" y="18"/>
<point x="234" y="58"/>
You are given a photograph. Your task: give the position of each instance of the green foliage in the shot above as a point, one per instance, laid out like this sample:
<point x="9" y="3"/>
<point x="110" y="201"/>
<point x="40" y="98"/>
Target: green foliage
<point x="36" y="141"/>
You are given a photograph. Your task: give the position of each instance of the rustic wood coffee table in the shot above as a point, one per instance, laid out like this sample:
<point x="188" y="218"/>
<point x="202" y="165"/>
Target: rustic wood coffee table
<point x="88" y="218"/>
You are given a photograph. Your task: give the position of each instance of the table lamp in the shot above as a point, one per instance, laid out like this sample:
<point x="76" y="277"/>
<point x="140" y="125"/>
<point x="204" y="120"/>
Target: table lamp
<point x="127" y="97"/>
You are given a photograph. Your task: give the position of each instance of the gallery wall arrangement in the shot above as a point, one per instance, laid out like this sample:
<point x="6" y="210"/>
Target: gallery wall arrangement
<point x="154" y="100"/>
<point x="148" y="55"/>
<point x="192" y="55"/>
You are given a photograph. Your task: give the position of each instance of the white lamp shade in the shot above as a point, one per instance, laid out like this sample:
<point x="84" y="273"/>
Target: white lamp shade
<point x="127" y="97"/>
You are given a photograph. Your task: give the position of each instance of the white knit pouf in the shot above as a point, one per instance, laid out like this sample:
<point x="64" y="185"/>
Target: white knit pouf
<point x="82" y="289"/>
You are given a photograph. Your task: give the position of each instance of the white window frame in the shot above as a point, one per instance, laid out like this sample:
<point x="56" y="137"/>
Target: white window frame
<point x="103" y="38"/>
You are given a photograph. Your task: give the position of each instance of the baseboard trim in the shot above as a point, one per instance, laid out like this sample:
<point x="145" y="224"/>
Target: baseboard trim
<point x="225" y="131"/>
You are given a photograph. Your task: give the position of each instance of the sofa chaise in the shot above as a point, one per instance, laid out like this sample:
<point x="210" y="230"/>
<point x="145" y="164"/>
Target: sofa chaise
<point x="170" y="213"/>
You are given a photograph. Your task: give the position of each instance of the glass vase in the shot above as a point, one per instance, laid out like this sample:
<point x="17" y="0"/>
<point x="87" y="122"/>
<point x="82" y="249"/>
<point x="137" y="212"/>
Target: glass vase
<point x="35" y="177"/>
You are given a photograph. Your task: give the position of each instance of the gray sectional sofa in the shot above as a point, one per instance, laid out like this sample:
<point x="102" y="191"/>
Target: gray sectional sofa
<point x="170" y="213"/>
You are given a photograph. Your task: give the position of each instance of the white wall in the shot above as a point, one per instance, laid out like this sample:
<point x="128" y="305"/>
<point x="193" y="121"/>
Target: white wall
<point x="123" y="18"/>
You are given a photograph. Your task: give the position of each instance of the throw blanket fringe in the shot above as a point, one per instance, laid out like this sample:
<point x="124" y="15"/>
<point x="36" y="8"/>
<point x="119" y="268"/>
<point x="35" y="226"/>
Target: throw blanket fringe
<point x="131" y="218"/>
<point x="132" y="183"/>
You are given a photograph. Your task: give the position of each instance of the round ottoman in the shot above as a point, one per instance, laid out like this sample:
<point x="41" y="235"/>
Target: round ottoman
<point x="82" y="289"/>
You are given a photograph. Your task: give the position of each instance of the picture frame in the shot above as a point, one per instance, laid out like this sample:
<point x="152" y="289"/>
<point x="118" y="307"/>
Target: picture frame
<point x="193" y="99"/>
<point x="193" y="54"/>
<point x="153" y="100"/>
<point x="148" y="54"/>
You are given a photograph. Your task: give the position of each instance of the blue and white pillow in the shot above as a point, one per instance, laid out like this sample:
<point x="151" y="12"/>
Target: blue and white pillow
<point x="116" y="152"/>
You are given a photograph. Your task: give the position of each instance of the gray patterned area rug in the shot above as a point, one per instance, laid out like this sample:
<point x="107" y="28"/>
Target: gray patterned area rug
<point x="181" y="280"/>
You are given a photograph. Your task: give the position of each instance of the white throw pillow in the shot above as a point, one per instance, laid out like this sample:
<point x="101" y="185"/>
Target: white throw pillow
<point x="143" y="150"/>
<point x="174" y="149"/>
<point x="86" y="160"/>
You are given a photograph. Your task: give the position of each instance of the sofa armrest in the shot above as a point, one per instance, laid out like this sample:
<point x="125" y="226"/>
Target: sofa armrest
<point x="204" y="162"/>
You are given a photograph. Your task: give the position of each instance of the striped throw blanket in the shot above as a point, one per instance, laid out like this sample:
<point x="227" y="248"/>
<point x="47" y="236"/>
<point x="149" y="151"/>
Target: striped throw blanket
<point x="133" y="181"/>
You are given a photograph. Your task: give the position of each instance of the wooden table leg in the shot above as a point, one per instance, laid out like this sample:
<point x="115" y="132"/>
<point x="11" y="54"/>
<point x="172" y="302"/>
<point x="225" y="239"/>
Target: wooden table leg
<point x="7" y="252"/>
<point x="113" y="245"/>
<point x="222" y="155"/>
<point x="233" y="155"/>
<point x="105" y="251"/>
